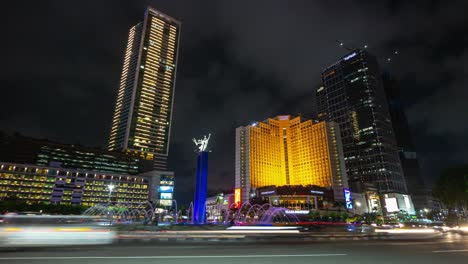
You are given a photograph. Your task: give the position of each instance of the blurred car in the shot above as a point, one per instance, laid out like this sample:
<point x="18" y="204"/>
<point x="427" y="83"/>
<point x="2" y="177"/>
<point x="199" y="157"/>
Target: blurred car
<point x="463" y="229"/>
<point x="38" y="230"/>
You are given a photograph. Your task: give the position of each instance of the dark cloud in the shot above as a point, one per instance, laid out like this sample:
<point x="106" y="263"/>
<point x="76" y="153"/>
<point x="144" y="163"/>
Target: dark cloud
<point x="240" y="61"/>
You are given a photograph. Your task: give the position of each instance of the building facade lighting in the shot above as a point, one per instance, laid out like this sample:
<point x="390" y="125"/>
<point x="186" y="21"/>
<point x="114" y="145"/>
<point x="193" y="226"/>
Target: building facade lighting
<point x="143" y="110"/>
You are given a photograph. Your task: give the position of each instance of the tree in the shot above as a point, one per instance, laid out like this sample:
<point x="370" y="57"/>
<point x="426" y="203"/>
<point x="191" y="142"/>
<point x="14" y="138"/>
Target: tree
<point x="369" y="218"/>
<point x="452" y="187"/>
<point x="14" y="204"/>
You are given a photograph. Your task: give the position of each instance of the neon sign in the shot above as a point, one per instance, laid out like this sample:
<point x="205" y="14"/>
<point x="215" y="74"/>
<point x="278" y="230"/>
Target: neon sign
<point x="348" y="198"/>
<point x="350" y="56"/>
<point x="316" y="192"/>
<point x="166" y="188"/>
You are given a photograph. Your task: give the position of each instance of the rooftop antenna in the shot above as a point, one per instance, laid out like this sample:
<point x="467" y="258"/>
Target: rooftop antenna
<point x="391" y="57"/>
<point x="341" y="44"/>
<point x="387" y="59"/>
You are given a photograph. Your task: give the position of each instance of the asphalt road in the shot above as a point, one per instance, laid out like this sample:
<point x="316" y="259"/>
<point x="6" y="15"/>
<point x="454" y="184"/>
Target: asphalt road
<point x="451" y="249"/>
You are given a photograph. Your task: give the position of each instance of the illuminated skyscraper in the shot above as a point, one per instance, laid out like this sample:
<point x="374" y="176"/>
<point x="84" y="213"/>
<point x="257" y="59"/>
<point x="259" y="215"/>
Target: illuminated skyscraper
<point x="352" y="96"/>
<point x="142" y="117"/>
<point x="288" y="151"/>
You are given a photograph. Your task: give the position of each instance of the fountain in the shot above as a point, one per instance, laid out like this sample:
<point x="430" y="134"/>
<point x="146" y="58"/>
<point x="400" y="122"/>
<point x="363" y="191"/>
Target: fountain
<point x="247" y="213"/>
<point x="190" y="213"/>
<point x="277" y="213"/>
<point x="265" y="214"/>
<point x="143" y="212"/>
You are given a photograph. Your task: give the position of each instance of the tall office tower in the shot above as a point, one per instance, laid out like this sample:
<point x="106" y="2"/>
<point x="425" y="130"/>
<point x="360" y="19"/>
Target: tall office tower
<point x="142" y="117"/>
<point x="289" y="151"/>
<point x="321" y="103"/>
<point x="355" y="99"/>
<point x="406" y="149"/>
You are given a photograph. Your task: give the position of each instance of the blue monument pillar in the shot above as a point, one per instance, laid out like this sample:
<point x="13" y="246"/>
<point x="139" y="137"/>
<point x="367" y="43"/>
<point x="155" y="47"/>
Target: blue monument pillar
<point x="199" y="208"/>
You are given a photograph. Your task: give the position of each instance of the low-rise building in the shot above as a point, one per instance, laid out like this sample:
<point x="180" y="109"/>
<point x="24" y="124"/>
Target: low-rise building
<point x="297" y="197"/>
<point x="56" y="185"/>
<point x="217" y="207"/>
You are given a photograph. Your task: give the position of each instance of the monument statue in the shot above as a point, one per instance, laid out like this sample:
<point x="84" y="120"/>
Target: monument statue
<point x="199" y="209"/>
<point x="202" y="144"/>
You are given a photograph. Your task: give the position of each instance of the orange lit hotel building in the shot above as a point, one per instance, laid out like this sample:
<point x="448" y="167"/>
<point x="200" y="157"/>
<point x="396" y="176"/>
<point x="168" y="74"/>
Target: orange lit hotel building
<point x="141" y="122"/>
<point x="289" y="151"/>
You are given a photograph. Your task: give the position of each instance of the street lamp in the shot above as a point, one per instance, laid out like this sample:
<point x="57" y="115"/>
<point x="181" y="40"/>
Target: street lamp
<point x="111" y="188"/>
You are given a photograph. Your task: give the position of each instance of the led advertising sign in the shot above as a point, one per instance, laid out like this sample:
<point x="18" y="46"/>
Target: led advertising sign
<point x="297" y="211"/>
<point x="166" y="188"/>
<point x="348" y="198"/>
<point x="165" y="202"/>
<point x="166" y="196"/>
<point x="237" y="197"/>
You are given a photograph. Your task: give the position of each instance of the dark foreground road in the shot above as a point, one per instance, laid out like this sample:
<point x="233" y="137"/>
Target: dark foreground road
<point x="451" y="249"/>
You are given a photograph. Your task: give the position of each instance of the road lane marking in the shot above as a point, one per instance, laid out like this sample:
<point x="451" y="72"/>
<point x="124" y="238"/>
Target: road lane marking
<point x="450" y="250"/>
<point x="172" y="257"/>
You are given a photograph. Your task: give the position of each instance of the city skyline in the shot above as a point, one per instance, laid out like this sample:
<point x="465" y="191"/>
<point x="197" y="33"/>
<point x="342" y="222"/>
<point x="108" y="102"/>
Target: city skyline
<point x="224" y="81"/>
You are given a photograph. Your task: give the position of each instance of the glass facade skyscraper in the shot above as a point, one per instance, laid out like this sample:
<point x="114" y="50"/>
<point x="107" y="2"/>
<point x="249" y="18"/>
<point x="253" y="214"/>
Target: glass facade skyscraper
<point x="406" y="148"/>
<point x="353" y="96"/>
<point x="143" y="111"/>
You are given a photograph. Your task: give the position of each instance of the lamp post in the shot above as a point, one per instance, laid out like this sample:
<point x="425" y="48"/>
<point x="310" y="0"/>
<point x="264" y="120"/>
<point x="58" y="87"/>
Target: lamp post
<point x="111" y="188"/>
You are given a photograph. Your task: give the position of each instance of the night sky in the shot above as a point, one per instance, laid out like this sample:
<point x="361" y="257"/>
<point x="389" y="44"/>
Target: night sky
<point x="239" y="61"/>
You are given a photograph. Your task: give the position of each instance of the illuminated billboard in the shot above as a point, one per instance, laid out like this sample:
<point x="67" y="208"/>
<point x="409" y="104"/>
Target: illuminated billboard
<point x="348" y="198"/>
<point x="165" y="202"/>
<point x="166" y="196"/>
<point x="407" y="202"/>
<point x="166" y="182"/>
<point x="297" y="211"/>
<point x="166" y="188"/>
<point x="391" y="205"/>
<point x="237" y="197"/>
